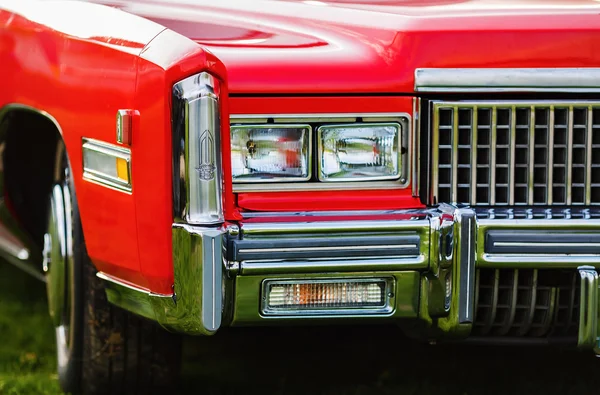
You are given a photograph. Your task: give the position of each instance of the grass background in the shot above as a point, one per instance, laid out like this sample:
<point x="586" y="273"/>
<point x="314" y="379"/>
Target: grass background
<point x="335" y="360"/>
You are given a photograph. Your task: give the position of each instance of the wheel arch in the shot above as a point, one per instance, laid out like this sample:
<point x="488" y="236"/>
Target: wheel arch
<point x="29" y="140"/>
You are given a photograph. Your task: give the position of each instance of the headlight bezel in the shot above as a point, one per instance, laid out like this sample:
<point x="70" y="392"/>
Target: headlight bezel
<point x="407" y="150"/>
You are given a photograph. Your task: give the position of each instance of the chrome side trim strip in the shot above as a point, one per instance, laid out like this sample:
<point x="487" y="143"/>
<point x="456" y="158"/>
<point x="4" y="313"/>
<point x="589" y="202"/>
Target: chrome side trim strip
<point x="129" y="297"/>
<point x="303" y="216"/>
<point x="507" y="80"/>
<point x="525" y="244"/>
<point x="279" y="228"/>
<point x="588" y="308"/>
<point x="340" y="248"/>
<point x="316" y="266"/>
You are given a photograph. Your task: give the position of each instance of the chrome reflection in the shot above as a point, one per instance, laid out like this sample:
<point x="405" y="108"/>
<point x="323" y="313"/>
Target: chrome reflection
<point x="197" y="172"/>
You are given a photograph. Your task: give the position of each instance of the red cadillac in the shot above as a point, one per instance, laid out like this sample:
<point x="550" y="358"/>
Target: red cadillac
<point x="174" y="167"/>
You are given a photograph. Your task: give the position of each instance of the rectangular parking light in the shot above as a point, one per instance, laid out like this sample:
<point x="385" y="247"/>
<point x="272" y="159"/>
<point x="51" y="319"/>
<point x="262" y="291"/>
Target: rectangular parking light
<point x="107" y="164"/>
<point x="359" y="152"/>
<point x="323" y="296"/>
<point x="270" y="153"/>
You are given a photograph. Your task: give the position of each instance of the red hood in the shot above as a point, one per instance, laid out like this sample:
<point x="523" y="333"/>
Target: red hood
<point x="349" y="46"/>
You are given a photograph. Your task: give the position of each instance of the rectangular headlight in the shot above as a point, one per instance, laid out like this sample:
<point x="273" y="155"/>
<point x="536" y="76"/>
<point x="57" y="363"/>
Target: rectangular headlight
<point x="326" y="296"/>
<point x="359" y="152"/>
<point x="270" y="153"/>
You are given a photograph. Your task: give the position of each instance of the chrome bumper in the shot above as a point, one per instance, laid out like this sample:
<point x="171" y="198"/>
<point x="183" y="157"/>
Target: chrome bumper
<point x="431" y="254"/>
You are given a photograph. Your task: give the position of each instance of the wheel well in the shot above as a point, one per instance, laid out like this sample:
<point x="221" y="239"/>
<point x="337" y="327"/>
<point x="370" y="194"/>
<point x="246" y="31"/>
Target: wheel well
<point x="28" y="143"/>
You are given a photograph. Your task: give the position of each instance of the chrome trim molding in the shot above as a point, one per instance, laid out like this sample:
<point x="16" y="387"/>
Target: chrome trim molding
<point x="129" y="297"/>
<point x="404" y="119"/>
<point x="588" y="308"/>
<point x="328" y="246"/>
<point x="279" y="228"/>
<point x="197" y="171"/>
<point x="523" y="260"/>
<point x="125" y="125"/>
<point x="331" y="265"/>
<point x="99" y="177"/>
<point x="415" y="143"/>
<point x="507" y="80"/>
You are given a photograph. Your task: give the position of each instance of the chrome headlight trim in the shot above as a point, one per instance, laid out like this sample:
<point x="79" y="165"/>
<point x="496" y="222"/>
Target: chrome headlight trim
<point x="197" y="171"/>
<point x="404" y="119"/>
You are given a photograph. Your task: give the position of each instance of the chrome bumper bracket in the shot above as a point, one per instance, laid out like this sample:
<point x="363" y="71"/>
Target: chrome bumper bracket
<point x="588" y="308"/>
<point x="465" y="221"/>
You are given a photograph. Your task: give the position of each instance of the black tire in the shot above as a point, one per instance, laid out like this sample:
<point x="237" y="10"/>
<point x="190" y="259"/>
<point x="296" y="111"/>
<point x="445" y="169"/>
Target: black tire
<point x="110" y="351"/>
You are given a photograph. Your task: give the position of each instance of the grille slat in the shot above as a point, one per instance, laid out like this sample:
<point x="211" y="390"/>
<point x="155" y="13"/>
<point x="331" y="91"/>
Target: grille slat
<point x="588" y="155"/>
<point x="516" y="154"/>
<point x="526" y="303"/>
<point x="569" y="157"/>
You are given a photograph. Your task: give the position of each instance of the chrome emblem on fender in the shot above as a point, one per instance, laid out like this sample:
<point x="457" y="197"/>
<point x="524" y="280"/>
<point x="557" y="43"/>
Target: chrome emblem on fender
<point x="206" y="167"/>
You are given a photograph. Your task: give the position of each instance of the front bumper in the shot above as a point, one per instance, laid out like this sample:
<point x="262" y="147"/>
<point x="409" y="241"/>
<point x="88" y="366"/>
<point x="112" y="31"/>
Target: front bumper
<point x="432" y="257"/>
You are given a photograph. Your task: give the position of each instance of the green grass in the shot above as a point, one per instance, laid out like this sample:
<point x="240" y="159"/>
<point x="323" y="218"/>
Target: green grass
<point x="334" y="360"/>
<point x="27" y="359"/>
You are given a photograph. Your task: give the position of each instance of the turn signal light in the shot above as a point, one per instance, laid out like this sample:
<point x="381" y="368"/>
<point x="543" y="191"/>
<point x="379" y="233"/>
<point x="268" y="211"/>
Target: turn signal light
<point x="303" y="296"/>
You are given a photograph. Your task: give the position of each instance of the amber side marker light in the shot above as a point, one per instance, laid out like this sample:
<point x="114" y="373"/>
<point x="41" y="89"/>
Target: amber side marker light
<point x="352" y="296"/>
<point x="107" y="164"/>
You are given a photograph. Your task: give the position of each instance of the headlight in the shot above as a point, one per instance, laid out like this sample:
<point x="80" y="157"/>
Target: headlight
<point x="357" y="152"/>
<point x="270" y="153"/>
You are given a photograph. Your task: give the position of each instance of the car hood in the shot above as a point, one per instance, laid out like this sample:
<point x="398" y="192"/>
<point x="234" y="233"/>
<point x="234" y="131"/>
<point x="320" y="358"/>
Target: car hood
<point x="357" y="47"/>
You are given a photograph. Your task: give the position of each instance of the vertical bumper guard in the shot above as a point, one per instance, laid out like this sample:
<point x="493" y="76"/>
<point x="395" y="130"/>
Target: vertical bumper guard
<point x="197" y="306"/>
<point x="588" y="309"/>
<point x="448" y="290"/>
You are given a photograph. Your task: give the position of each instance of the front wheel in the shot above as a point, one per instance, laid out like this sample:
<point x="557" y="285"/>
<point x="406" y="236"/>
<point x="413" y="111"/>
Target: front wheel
<point x="101" y="349"/>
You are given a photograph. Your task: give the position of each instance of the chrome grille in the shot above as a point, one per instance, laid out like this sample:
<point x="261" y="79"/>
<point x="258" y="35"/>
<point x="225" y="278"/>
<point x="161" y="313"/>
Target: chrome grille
<point x="527" y="303"/>
<point x="516" y="153"/>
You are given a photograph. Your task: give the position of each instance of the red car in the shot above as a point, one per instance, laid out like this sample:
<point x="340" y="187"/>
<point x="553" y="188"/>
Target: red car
<point x="203" y="164"/>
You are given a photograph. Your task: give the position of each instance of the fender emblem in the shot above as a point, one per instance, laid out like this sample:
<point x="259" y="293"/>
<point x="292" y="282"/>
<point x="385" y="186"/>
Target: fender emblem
<point x="206" y="166"/>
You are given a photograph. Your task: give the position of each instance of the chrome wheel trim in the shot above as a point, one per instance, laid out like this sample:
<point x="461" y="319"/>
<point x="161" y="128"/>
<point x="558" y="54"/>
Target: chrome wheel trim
<point x="58" y="264"/>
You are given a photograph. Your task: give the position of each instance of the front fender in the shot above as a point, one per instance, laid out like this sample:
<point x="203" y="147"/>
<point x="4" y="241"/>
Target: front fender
<point x="80" y="63"/>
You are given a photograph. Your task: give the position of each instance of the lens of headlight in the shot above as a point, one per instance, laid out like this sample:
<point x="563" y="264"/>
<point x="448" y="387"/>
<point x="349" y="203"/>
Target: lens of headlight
<point x="359" y="152"/>
<point x="270" y="153"/>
